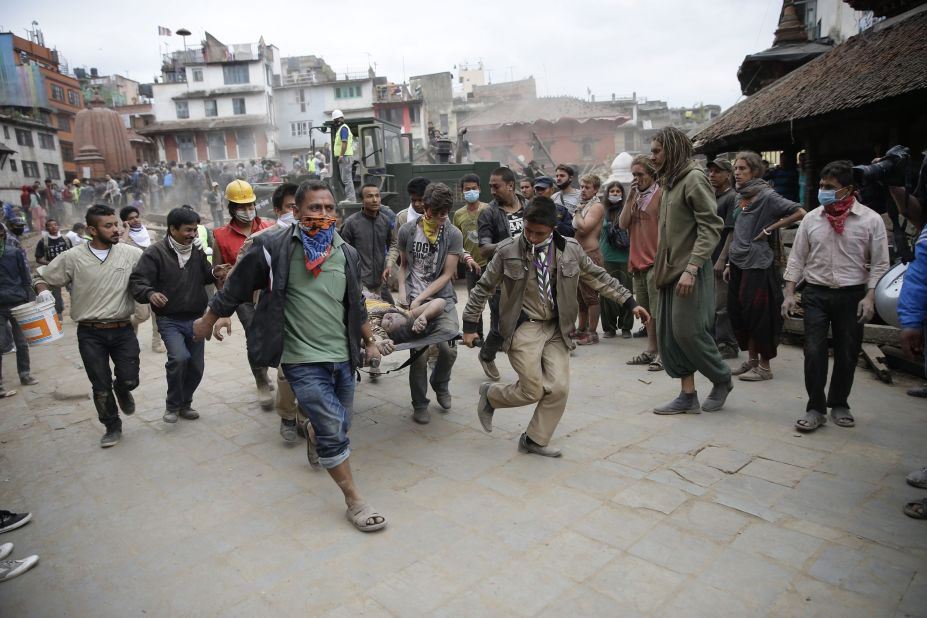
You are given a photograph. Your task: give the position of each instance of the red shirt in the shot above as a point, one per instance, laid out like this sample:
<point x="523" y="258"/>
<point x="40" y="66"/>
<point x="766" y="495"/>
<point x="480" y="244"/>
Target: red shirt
<point x="229" y="239"/>
<point x="644" y="231"/>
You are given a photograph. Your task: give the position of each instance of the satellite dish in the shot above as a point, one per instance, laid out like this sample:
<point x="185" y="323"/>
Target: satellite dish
<point x="183" y="32"/>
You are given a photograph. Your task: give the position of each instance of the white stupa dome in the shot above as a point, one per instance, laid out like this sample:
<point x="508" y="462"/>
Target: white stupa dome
<point x="621" y="168"/>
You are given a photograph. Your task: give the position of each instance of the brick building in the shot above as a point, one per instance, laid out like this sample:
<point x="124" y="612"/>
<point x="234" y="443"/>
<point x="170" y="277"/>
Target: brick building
<point x="65" y="98"/>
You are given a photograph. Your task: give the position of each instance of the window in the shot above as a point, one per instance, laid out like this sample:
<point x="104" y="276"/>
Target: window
<point x="67" y="152"/>
<point x="215" y="143"/>
<point x="47" y="141"/>
<point x="235" y="73"/>
<point x="197" y="75"/>
<point x="212" y="109"/>
<point x="51" y="171"/>
<point x="238" y="106"/>
<point x="12" y="165"/>
<point x="183" y="109"/>
<point x="6" y="132"/>
<point x="347" y="92"/>
<point x="245" y="138"/>
<point x="301" y="99"/>
<point x="24" y="138"/>
<point x="64" y="123"/>
<point x="443" y="121"/>
<point x="587" y="150"/>
<point x="301" y="128"/>
<point x="74" y="98"/>
<point x="413" y="114"/>
<point x="30" y="169"/>
<point x="57" y="92"/>
<point x="186" y="147"/>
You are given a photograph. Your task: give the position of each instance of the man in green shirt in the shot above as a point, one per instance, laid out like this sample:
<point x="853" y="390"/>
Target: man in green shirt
<point x="466" y="220"/>
<point x="311" y="320"/>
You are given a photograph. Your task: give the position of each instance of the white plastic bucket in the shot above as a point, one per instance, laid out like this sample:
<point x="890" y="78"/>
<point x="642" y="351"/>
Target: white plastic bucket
<point x="38" y="321"/>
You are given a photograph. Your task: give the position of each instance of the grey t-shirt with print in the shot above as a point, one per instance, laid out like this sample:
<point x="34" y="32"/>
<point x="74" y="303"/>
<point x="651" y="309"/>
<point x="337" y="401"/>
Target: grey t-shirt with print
<point x="426" y="261"/>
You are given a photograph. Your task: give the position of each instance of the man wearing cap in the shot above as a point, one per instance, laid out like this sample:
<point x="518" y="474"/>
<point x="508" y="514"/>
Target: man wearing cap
<point x="538" y="309"/>
<point x="229" y="241"/>
<point x="719" y="175"/>
<point x="344" y="150"/>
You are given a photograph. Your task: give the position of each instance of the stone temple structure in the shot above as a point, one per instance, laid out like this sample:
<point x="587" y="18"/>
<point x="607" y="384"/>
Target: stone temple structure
<point x="101" y="142"/>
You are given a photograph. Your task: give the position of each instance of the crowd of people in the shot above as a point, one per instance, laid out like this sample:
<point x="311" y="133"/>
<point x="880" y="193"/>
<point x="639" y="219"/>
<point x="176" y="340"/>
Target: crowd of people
<point x="691" y="252"/>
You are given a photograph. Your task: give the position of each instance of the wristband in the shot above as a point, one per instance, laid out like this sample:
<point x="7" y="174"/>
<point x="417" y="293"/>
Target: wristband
<point x="694" y="274"/>
<point x="767" y="233"/>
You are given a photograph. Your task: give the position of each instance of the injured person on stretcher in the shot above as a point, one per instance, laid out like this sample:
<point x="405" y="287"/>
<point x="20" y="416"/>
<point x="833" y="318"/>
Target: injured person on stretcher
<point x="394" y="326"/>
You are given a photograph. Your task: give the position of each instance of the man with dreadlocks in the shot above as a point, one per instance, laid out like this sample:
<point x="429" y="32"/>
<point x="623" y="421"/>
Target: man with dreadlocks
<point x="689" y="231"/>
<point x="311" y="320"/>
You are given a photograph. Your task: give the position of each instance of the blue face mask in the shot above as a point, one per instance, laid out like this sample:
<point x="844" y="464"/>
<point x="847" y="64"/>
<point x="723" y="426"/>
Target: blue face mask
<point x="471" y="196"/>
<point x="826" y="197"/>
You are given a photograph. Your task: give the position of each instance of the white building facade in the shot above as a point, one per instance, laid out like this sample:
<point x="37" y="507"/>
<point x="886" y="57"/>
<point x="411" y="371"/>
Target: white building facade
<point x="216" y="103"/>
<point x="303" y="108"/>
<point x="29" y="152"/>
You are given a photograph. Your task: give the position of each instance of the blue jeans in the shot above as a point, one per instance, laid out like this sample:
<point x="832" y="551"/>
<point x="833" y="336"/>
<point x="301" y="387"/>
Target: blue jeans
<point x="326" y="392"/>
<point x="185" y="361"/>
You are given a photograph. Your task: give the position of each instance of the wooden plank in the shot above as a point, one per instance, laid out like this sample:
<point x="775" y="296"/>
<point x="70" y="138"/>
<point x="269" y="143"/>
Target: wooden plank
<point x="876" y="361"/>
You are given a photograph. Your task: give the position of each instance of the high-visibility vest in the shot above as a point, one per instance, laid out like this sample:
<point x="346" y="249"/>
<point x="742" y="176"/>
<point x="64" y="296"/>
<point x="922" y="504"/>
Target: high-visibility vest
<point x="204" y="240"/>
<point x="311" y="165"/>
<point x="350" y="149"/>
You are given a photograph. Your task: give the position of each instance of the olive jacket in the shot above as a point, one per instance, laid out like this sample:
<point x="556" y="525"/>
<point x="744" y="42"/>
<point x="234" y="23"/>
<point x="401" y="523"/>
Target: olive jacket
<point x="689" y="226"/>
<point x="508" y="270"/>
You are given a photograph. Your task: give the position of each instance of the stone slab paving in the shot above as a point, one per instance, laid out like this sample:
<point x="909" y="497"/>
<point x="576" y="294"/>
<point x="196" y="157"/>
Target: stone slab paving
<point x="730" y="514"/>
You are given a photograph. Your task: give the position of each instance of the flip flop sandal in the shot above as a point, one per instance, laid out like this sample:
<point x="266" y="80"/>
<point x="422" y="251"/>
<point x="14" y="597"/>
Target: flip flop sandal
<point x="918" y="478"/>
<point x="644" y="358"/>
<point x="842" y="418"/>
<point x="361" y="514"/>
<point x="916" y="509"/>
<point x="5" y="394"/>
<point x="811" y="420"/>
<point x="656" y="365"/>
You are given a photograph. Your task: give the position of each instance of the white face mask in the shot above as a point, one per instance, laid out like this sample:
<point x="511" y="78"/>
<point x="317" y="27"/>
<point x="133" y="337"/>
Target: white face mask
<point x="286" y="218"/>
<point x="245" y="215"/>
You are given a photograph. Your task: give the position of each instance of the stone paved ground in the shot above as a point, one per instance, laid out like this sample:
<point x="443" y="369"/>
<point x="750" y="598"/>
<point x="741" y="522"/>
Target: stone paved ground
<point x="729" y="514"/>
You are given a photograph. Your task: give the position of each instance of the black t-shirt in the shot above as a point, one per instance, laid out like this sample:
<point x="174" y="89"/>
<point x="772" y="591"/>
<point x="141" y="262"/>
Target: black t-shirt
<point x="50" y="248"/>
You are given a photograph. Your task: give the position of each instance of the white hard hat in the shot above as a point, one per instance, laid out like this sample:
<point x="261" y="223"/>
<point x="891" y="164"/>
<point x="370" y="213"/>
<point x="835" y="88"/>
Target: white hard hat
<point x="337" y="114"/>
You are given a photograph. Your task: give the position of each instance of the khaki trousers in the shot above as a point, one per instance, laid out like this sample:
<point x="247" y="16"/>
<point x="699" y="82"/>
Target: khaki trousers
<point x="285" y="403"/>
<point x="546" y="383"/>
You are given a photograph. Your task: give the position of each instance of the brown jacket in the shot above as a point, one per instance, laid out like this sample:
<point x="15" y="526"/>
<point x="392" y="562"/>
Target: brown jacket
<point x="508" y="269"/>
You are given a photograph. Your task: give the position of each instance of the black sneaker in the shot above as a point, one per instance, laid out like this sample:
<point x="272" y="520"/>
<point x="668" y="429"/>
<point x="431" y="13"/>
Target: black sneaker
<point x="12" y="521"/>
<point x="188" y="413"/>
<point x="640" y="332"/>
<point x="126" y="402"/>
<point x="110" y="438"/>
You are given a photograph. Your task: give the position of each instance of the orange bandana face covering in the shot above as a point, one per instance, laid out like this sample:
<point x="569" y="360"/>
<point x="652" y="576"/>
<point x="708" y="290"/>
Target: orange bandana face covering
<point x="312" y="225"/>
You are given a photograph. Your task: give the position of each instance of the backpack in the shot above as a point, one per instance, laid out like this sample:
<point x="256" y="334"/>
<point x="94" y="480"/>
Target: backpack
<point x="617" y="238"/>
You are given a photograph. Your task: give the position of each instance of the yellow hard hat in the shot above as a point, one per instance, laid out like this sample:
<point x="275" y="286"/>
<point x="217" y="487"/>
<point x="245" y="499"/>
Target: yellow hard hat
<point x="240" y="192"/>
